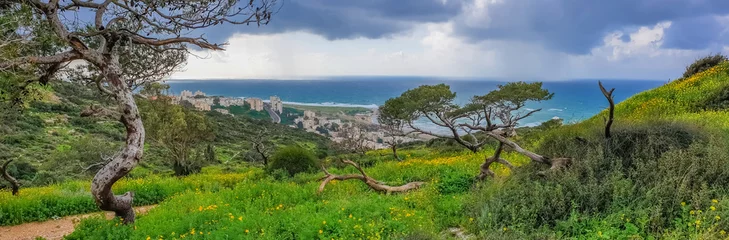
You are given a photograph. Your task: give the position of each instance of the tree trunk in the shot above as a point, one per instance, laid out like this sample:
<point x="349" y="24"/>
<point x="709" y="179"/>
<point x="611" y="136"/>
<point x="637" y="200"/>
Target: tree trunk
<point x="555" y="164"/>
<point x="486" y="166"/>
<point x="15" y="185"/>
<point x="394" y="152"/>
<point x="127" y="158"/>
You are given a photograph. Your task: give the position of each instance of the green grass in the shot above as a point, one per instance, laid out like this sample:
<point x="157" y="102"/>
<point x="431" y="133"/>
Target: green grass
<point x="291" y="209"/>
<point x="73" y="197"/>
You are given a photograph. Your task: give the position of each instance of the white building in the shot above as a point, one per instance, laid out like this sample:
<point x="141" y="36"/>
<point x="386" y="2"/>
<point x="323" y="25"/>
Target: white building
<point x="199" y="93"/>
<point x="185" y="94"/>
<point x="276" y="104"/>
<point x="256" y="103"/>
<point x="309" y="114"/>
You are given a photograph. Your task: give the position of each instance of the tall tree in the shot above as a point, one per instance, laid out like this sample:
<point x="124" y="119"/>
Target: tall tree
<point x="115" y="48"/>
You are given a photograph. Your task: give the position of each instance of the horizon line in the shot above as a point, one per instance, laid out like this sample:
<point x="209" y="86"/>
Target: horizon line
<point x="345" y="77"/>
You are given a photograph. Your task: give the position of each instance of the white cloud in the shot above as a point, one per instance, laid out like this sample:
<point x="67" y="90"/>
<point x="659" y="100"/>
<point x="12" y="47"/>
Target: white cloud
<point x="434" y="50"/>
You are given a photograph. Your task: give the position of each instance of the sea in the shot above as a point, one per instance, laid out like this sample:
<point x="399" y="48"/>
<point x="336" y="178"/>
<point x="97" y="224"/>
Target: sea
<point x="573" y="101"/>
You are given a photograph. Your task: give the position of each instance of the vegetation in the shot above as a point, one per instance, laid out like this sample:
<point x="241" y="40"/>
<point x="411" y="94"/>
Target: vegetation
<point x="703" y="64"/>
<point x="292" y="160"/>
<point x="651" y="167"/>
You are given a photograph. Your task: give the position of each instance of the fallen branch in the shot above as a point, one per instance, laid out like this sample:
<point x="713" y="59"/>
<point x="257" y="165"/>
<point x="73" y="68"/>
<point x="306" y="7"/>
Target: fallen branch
<point x="13" y="182"/>
<point x="371" y="182"/>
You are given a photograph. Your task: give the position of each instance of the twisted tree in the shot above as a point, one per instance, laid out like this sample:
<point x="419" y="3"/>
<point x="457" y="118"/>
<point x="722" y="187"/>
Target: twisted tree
<point x="118" y="44"/>
<point x="15" y="185"/>
<point x="494" y="115"/>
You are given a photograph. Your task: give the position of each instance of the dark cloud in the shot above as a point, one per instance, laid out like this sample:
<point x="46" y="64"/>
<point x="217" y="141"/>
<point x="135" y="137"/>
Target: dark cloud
<point x="341" y="19"/>
<point x="706" y="32"/>
<point x="569" y="26"/>
<point x="575" y="26"/>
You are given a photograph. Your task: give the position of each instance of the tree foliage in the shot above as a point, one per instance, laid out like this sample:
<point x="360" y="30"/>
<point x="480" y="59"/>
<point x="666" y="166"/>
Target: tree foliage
<point x="180" y="132"/>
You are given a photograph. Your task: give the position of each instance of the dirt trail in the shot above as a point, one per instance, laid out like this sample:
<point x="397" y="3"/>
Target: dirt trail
<point x="53" y="229"/>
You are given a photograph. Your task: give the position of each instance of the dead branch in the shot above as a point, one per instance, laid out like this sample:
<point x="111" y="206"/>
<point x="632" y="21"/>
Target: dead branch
<point x="371" y="182"/>
<point x="609" y="96"/>
<point x="555" y="164"/>
<point x="13" y="182"/>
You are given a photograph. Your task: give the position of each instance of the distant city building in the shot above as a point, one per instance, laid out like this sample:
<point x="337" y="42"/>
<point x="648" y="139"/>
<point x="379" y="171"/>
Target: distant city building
<point x="199" y="93"/>
<point x="256" y="103"/>
<point x="226" y="102"/>
<point x="309" y="114"/>
<point x="223" y="111"/>
<point x="276" y="104"/>
<point x="185" y="94"/>
<point x="202" y="106"/>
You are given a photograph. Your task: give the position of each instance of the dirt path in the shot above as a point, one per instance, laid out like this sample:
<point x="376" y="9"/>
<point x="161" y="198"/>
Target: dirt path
<point x="53" y="229"/>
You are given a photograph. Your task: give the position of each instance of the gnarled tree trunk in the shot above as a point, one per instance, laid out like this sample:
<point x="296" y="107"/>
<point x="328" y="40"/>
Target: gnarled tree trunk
<point x="124" y="161"/>
<point x="15" y="185"/>
<point x="394" y="152"/>
<point x="485" y="167"/>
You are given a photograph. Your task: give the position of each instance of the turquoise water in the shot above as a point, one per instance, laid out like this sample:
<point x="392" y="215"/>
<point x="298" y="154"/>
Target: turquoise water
<point x="573" y="100"/>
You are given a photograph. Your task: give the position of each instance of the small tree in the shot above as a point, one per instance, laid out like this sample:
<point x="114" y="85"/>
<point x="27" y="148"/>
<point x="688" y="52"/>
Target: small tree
<point x="261" y="146"/>
<point x="494" y="114"/>
<point x="352" y="139"/>
<point x="393" y="126"/>
<point x="179" y="132"/>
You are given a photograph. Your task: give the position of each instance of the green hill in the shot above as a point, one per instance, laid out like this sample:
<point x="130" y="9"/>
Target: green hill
<point x="662" y="175"/>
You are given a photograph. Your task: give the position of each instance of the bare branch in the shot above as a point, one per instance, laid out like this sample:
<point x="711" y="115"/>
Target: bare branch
<point x="609" y="96"/>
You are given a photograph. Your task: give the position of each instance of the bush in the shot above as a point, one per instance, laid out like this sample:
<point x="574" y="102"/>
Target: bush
<point x="645" y="172"/>
<point x="702" y="64"/>
<point x="293" y="160"/>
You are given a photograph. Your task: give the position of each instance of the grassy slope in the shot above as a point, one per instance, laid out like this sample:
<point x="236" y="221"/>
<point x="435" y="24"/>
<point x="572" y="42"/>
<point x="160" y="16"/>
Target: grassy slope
<point x="680" y="100"/>
<point x="281" y="209"/>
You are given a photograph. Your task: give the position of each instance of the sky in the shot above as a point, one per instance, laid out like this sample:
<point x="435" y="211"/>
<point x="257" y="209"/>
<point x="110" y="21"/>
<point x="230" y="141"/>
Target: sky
<point x="472" y="39"/>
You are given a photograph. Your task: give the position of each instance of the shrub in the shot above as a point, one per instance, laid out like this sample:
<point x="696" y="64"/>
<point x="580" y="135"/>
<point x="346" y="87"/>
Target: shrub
<point x="293" y="160"/>
<point x="702" y="64"/>
<point x="646" y="171"/>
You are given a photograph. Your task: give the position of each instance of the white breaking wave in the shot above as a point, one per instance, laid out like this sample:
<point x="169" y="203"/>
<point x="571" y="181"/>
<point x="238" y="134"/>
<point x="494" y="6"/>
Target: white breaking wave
<point x="555" y="109"/>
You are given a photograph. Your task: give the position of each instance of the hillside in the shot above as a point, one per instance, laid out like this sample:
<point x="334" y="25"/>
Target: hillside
<point x="51" y="142"/>
<point x="662" y="175"/>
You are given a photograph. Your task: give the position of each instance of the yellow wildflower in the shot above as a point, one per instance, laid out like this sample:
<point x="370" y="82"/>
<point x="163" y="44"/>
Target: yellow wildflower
<point x="683" y="203"/>
<point x="324" y="222"/>
<point x="722" y="232"/>
<point x="714" y="200"/>
<point x="246" y="230"/>
<point x="717" y="217"/>
<point x="692" y="212"/>
<point x="320" y="231"/>
<point x="712" y="208"/>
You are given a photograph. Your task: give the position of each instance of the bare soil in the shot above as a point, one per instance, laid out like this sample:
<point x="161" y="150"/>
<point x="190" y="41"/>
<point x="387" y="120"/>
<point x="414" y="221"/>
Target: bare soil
<point x="53" y="229"/>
